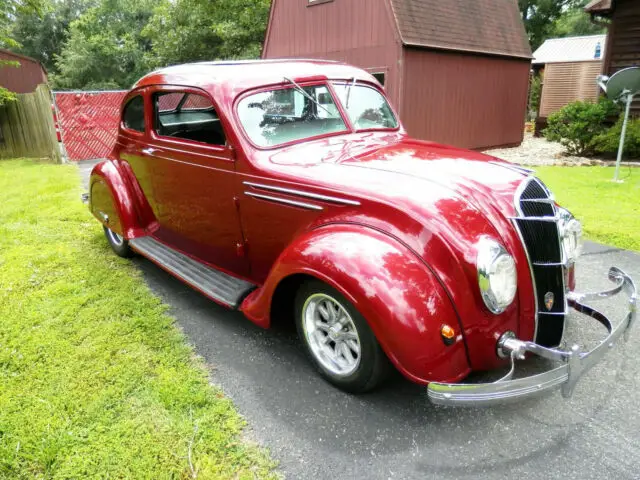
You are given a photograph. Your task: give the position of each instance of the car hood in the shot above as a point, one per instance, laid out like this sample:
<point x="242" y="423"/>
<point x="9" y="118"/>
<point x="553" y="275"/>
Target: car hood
<point x="390" y="167"/>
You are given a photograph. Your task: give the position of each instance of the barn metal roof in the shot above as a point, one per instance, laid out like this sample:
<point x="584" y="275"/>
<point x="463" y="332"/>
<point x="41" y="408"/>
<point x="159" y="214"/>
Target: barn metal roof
<point x="570" y="49"/>
<point x="482" y="26"/>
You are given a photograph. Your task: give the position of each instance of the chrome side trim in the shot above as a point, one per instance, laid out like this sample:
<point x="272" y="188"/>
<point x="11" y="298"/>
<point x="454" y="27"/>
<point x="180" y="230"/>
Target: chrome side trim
<point x="301" y="193"/>
<point x="574" y="361"/>
<point x="286" y="201"/>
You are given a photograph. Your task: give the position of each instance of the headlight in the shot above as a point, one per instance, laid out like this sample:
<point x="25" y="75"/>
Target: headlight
<point x="570" y="231"/>
<point x="496" y="275"/>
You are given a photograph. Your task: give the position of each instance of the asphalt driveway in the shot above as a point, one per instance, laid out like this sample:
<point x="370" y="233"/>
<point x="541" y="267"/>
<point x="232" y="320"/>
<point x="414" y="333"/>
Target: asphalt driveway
<point x="318" y="432"/>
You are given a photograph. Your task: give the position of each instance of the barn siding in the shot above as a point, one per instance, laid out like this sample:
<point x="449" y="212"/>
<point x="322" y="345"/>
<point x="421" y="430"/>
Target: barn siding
<point x="470" y="101"/>
<point x="567" y="82"/>
<point x="22" y="79"/>
<point x="359" y="32"/>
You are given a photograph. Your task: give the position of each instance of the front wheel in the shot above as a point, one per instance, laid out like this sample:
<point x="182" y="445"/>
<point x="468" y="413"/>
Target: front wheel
<point x="118" y="244"/>
<point x="338" y="339"/>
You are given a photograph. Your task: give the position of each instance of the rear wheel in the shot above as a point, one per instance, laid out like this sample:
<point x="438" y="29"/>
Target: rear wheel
<point x="338" y="339"/>
<point x="118" y="244"/>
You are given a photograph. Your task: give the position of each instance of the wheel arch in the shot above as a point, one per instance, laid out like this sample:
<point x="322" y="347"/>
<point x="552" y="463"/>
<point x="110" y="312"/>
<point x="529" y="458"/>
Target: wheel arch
<point x="111" y="201"/>
<point x="402" y="301"/>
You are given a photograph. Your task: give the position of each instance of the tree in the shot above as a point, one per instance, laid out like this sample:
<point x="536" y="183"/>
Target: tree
<point x="539" y="17"/>
<point x="9" y="9"/>
<point x="190" y="30"/>
<point x="555" y="18"/>
<point x="41" y="35"/>
<point x="575" y="21"/>
<point x="105" y="48"/>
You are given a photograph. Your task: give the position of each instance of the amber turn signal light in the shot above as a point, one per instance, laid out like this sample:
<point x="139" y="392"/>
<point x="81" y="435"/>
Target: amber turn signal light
<point x="448" y="334"/>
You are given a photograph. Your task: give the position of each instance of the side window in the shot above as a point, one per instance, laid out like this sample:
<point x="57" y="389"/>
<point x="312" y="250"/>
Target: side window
<point x="187" y="116"/>
<point x="133" y="115"/>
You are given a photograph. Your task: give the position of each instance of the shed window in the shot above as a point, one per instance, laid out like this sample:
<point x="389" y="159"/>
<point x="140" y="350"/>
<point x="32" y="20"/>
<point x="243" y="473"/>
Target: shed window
<point x="188" y="116"/>
<point x="133" y="115"/>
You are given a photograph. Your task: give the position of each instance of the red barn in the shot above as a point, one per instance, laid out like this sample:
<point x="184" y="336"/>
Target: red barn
<point x="457" y="70"/>
<point x="23" y="78"/>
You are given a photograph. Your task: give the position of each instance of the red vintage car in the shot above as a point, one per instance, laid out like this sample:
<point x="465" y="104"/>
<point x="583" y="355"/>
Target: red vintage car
<point x="290" y="190"/>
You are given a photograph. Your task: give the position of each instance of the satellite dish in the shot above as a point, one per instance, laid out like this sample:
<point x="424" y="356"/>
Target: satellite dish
<point x="624" y="82"/>
<point x="622" y="87"/>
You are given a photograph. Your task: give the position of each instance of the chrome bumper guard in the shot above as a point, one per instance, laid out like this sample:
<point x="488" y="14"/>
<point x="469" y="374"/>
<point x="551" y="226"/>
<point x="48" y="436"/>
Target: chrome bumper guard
<point x="574" y="361"/>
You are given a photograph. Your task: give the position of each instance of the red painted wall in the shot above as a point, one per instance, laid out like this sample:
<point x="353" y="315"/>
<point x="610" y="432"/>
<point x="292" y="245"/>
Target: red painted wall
<point x="470" y="101"/>
<point x="22" y="79"/>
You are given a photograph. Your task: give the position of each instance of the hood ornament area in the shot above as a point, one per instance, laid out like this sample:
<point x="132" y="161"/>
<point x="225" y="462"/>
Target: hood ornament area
<point x="549" y="298"/>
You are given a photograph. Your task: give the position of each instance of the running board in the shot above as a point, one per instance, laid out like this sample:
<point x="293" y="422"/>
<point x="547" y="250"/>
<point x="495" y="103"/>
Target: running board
<point x="213" y="283"/>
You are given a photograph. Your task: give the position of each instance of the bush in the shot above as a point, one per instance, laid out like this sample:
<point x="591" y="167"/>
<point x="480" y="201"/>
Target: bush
<point x="607" y="143"/>
<point x="577" y="125"/>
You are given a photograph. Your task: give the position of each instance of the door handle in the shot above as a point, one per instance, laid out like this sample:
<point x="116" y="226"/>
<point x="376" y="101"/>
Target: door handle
<point x="148" y="151"/>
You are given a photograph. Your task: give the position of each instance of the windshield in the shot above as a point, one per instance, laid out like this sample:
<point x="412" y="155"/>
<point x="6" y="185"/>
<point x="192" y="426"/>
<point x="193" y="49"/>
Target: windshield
<point x="367" y="108"/>
<point x="285" y="115"/>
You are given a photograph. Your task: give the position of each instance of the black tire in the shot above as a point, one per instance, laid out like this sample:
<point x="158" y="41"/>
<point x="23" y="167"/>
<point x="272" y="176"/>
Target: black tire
<point x="373" y="366"/>
<point x="118" y="244"/>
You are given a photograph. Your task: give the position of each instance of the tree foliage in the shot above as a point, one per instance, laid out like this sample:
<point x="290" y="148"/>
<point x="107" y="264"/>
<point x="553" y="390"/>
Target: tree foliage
<point x="191" y="30"/>
<point x="42" y="34"/>
<point x="555" y="18"/>
<point x="105" y="48"/>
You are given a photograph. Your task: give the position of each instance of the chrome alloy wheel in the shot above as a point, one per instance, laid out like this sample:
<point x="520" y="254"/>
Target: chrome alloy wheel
<point x="117" y="240"/>
<point x="331" y="334"/>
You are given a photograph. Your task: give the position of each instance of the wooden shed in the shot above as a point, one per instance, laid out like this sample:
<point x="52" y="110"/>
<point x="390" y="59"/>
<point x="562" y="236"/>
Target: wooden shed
<point x="569" y="68"/>
<point x="456" y="70"/>
<point x="623" y="43"/>
<point x="23" y="78"/>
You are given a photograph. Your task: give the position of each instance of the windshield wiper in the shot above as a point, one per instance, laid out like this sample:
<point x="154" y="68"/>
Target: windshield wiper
<point x="353" y="84"/>
<point x="304" y="92"/>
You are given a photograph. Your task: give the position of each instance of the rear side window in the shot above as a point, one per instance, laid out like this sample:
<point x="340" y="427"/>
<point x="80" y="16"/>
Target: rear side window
<point x="133" y="115"/>
<point x="187" y="116"/>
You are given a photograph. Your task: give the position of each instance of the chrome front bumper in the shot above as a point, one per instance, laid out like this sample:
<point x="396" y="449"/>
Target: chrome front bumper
<point x="574" y="361"/>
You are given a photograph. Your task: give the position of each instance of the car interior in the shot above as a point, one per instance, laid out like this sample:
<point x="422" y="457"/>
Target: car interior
<point x="188" y="116"/>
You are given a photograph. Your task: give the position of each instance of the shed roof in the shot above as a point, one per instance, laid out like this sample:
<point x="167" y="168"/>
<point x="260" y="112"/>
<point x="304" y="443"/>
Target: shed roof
<point x="482" y="26"/>
<point x="570" y="49"/>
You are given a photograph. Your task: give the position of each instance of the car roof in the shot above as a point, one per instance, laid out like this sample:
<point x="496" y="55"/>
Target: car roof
<point x="238" y="76"/>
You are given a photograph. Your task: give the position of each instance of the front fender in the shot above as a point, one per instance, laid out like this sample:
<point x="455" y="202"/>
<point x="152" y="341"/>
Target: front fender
<point x="391" y="287"/>
<point x="111" y="202"/>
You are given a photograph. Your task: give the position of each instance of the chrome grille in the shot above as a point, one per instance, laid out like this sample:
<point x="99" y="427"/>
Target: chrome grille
<point x="538" y="227"/>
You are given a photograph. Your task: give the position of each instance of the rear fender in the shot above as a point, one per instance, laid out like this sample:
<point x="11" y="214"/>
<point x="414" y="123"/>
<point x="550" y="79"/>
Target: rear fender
<point x="391" y="287"/>
<point x="111" y="201"/>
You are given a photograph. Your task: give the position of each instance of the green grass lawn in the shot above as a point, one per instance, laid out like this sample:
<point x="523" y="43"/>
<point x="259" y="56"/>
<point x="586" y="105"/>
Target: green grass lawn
<point x="610" y="212"/>
<point x="95" y="379"/>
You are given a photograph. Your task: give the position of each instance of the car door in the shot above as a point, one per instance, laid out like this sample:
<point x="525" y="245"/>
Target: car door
<point x="193" y="172"/>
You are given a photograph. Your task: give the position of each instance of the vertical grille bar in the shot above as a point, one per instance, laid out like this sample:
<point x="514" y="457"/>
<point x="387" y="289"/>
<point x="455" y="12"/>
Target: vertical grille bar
<point x="541" y="240"/>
